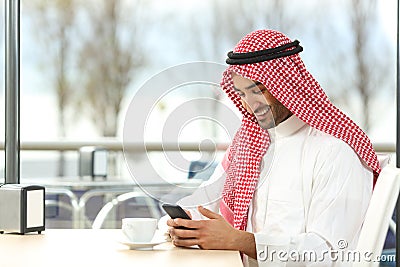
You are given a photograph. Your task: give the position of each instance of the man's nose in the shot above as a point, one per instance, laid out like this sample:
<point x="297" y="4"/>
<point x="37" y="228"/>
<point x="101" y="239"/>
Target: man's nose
<point x="252" y="103"/>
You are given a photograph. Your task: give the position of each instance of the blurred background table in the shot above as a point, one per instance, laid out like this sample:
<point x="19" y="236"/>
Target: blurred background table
<point x="74" y="194"/>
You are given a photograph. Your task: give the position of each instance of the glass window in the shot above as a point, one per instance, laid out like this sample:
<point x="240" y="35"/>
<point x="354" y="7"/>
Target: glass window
<point x="2" y="85"/>
<point x="83" y="62"/>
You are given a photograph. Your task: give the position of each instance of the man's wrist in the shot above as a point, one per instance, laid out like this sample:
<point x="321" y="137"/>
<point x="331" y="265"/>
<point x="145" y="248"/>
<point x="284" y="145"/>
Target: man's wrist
<point x="245" y="243"/>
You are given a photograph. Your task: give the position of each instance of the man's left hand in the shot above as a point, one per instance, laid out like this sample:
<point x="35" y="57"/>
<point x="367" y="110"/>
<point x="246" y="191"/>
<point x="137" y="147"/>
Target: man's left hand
<point x="215" y="233"/>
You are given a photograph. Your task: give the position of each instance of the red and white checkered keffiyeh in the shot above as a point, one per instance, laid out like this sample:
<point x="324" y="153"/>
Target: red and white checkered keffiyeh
<point x="288" y="81"/>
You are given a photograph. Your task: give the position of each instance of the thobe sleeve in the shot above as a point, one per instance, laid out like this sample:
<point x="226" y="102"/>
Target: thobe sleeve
<point x="208" y="195"/>
<point x="340" y="192"/>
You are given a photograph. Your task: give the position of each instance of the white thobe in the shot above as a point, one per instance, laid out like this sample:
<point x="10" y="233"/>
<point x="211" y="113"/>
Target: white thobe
<point x="312" y="195"/>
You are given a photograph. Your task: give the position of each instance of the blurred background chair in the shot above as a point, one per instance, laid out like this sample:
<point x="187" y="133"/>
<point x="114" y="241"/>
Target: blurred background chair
<point x="201" y="170"/>
<point x="106" y="210"/>
<point x="54" y="203"/>
<point x="378" y="216"/>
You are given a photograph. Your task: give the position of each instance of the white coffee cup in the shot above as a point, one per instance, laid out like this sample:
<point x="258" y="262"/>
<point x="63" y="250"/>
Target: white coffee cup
<point x="139" y="229"/>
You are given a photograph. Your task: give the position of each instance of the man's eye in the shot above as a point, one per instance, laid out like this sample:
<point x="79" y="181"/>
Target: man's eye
<point x="259" y="92"/>
<point x="241" y="94"/>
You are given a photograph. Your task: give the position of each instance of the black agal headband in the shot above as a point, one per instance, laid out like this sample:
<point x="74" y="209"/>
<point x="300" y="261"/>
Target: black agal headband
<point x="264" y="55"/>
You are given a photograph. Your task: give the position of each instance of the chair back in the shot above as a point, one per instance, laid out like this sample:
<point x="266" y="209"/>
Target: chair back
<point x="379" y="213"/>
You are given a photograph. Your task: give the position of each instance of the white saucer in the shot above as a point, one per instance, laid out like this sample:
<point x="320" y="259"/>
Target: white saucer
<point x="141" y="245"/>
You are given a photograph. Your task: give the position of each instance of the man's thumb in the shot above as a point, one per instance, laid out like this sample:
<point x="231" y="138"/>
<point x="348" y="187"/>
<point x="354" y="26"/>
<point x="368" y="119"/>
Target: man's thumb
<point x="208" y="213"/>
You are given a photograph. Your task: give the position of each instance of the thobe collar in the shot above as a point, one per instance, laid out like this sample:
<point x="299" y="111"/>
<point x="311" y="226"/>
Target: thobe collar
<point x="286" y="128"/>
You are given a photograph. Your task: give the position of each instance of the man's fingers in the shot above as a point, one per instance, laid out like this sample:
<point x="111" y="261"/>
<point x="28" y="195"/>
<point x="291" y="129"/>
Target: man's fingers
<point x="208" y="213"/>
<point x="188" y="223"/>
<point x="184" y="242"/>
<point x="184" y="233"/>
<point x="171" y="223"/>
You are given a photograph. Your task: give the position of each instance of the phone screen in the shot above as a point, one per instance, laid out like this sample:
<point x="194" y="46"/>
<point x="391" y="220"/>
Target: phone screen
<point x="175" y="211"/>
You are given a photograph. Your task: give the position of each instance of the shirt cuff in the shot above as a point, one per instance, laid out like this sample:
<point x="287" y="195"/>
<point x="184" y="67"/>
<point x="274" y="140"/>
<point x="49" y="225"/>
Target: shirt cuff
<point x="272" y="249"/>
<point x="284" y="250"/>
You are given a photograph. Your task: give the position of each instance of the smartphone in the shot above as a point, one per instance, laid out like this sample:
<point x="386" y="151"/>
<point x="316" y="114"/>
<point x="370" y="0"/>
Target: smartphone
<point x="175" y="211"/>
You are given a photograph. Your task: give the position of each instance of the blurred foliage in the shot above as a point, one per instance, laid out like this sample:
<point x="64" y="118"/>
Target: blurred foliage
<point x="96" y="50"/>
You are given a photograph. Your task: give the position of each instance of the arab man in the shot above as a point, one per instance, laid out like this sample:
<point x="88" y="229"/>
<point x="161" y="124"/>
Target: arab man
<point x="298" y="175"/>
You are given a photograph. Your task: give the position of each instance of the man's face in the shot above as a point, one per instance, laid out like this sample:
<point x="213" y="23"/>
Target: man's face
<point x="256" y="99"/>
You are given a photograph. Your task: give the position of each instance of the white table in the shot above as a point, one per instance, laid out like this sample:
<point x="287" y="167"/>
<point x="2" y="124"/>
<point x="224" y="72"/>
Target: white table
<point x="86" y="247"/>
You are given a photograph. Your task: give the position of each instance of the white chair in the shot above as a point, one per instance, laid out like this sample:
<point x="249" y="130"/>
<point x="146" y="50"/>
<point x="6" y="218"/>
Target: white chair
<point x="378" y="216"/>
<point x="106" y="209"/>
